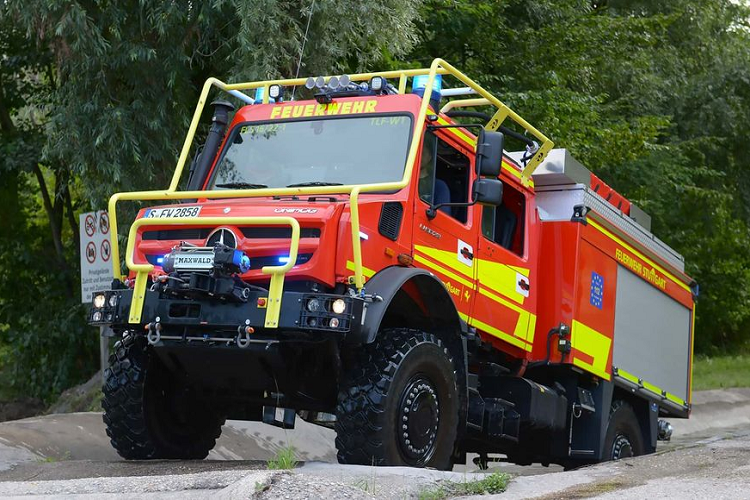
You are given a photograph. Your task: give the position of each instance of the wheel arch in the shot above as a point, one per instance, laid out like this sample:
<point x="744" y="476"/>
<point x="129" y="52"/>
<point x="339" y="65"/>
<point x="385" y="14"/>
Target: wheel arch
<point x="411" y="298"/>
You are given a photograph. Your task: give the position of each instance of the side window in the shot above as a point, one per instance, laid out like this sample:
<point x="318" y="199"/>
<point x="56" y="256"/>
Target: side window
<point x="504" y="224"/>
<point x="444" y="176"/>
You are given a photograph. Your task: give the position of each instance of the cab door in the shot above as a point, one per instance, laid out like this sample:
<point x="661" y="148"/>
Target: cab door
<point x="505" y="303"/>
<point x="445" y="244"/>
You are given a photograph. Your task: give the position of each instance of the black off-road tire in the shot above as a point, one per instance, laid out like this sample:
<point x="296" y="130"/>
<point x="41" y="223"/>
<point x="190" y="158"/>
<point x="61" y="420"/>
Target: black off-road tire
<point x="147" y="414"/>
<point x="624" y="437"/>
<point x="398" y="404"/>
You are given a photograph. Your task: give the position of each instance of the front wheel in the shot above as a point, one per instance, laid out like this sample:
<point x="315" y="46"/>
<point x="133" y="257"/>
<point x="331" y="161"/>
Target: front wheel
<point x="148" y="414"/>
<point x="398" y="404"/>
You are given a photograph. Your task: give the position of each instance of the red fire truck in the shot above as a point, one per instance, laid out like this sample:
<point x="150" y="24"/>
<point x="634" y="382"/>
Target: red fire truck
<point x="368" y="257"/>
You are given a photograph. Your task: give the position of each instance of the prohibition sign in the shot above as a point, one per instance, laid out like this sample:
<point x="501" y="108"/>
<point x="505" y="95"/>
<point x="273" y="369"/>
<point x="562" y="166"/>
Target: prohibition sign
<point x="91" y="252"/>
<point x="104" y="223"/>
<point x="90" y="225"/>
<point x="105" y="250"/>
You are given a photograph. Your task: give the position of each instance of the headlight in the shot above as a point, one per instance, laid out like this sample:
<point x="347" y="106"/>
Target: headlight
<point x="99" y="301"/>
<point x="113" y="301"/>
<point x="97" y="316"/>
<point x="338" y="306"/>
<point x="313" y="305"/>
<point x="334" y="323"/>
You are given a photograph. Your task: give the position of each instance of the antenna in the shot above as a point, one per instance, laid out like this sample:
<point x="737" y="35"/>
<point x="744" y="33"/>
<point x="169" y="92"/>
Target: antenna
<point x="302" y="49"/>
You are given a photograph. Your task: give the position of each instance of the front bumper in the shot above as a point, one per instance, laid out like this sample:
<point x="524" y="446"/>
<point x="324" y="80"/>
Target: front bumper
<point x="209" y="317"/>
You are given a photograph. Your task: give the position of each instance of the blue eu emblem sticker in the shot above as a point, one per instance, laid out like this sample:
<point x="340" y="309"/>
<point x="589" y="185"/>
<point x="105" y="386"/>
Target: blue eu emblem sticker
<point x="597" y="290"/>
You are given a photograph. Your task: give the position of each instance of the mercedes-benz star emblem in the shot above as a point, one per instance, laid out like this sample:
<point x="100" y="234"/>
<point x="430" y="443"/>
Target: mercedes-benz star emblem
<point x="223" y="236"/>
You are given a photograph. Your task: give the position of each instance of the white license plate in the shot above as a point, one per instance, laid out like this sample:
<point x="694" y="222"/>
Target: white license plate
<point x="176" y="212"/>
<point x="194" y="261"/>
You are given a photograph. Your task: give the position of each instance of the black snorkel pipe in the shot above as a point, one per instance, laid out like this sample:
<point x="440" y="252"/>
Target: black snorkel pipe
<point x="203" y="160"/>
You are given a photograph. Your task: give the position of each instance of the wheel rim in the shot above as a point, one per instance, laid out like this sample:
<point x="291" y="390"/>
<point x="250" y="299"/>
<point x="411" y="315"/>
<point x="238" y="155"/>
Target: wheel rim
<point x="419" y="412"/>
<point x="621" y="448"/>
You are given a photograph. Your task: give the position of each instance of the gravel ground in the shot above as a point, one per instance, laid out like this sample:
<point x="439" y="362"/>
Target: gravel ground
<point x="69" y="456"/>
<point x="717" y="468"/>
<point x="293" y="486"/>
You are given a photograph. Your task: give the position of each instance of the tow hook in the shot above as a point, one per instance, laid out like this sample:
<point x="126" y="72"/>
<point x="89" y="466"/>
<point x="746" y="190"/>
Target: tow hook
<point x="243" y="336"/>
<point x="154" y="332"/>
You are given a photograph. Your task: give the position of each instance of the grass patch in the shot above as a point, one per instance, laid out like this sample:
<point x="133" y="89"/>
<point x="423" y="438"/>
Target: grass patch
<point x="285" y="459"/>
<point x="492" y="484"/>
<point x="53" y="459"/>
<point x="721" y="372"/>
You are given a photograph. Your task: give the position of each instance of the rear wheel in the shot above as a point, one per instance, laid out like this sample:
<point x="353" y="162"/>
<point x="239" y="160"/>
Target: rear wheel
<point x="624" y="437"/>
<point x="399" y="404"/>
<point x="148" y="414"/>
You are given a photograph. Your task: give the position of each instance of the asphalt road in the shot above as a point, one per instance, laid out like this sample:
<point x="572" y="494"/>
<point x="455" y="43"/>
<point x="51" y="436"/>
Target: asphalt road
<point x="69" y="455"/>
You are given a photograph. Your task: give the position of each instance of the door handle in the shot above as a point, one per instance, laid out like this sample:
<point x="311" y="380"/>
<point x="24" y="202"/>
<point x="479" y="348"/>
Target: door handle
<point x="467" y="254"/>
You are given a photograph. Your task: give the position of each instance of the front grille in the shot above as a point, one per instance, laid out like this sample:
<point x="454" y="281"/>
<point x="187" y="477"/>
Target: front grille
<point x="260" y="232"/>
<point x="193" y="233"/>
<point x="390" y="219"/>
<point x="248" y="232"/>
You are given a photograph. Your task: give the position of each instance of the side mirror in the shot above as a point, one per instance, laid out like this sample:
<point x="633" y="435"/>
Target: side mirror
<point x="489" y="153"/>
<point x="488" y="192"/>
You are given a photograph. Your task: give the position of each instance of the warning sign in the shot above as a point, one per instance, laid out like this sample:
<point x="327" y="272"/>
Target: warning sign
<point x="96" y="250"/>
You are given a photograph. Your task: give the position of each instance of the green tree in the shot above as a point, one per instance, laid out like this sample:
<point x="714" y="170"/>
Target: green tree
<point x="97" y="97"/>
<point x="652" y="96"/>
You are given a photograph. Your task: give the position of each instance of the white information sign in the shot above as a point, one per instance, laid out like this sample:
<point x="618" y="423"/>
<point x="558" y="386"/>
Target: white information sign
<point x="96" y="253"/>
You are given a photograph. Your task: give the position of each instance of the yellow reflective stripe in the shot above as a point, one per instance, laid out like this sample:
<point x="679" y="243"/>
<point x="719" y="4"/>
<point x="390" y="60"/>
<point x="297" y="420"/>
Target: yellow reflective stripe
<point x="526" y="321"/>
<point x="528" y="182"/>
<point x="675" y="399"/>
<point x="446" y="258"/>
<point x="457" y="131"/>
<point x="532" y="328"/>
<point x="498" y="333"/>
<point x="601" y="229"/>
<point x="502" y="277"/>
<point x="627" y="376"/>
<point x="523" y="318"/>
<point x="521" y="270"/>
<point x="651" y="387"/>
<point x="365" y="270"/>
<point x="594" y="344"/>
<point x="442" y="270"/>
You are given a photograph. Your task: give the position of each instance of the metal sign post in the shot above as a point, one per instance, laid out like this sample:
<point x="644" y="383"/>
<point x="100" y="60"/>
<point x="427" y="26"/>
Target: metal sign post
<point x="96" y="266"/>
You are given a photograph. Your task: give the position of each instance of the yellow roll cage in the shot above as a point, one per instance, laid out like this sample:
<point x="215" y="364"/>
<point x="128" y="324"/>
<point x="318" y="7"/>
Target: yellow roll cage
<point x="438" y="67"/>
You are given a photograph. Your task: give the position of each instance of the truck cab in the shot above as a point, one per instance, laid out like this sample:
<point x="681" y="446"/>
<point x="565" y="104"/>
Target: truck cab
<point x="370" y="258"/>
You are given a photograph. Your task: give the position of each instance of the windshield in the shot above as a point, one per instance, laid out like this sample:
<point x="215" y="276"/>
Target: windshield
<point x="334" y="151"/>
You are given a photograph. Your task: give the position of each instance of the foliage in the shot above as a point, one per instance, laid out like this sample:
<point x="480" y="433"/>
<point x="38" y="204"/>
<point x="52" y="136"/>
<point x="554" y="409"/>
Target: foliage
<point x="652" y="96"/>
<point x="491" y="484"/>
<point x="95" y="97"/>
<point x="285" y="459"/>
<point x="721" y="372"/>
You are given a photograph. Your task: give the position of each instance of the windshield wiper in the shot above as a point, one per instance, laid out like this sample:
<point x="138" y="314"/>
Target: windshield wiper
<point x="240" y="185"/>
<point x="314" y="183"/>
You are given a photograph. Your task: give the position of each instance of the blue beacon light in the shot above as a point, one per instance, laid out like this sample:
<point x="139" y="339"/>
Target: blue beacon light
<point x="419" y="83"/>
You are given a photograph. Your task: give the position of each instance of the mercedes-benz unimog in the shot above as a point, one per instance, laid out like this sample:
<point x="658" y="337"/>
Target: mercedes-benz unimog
<point x="368" y="257"/>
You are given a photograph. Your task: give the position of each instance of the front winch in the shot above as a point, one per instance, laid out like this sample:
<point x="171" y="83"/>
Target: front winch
<point x="219" y="259"/>
<point x="213" y="271"/>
